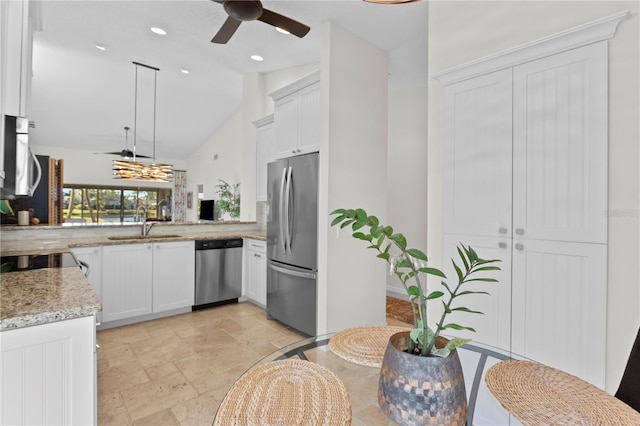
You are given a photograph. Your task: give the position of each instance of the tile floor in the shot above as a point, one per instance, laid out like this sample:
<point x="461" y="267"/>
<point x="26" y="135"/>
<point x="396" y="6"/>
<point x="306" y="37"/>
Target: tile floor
<point x="176" y="371"/>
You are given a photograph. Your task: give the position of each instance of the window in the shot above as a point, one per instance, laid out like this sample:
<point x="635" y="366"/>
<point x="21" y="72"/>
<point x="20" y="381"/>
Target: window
<point x="101" y="204"/>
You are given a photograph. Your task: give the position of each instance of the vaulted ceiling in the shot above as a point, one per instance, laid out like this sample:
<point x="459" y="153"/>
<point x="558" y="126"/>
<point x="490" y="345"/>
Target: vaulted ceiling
<point x="83" y="97"/>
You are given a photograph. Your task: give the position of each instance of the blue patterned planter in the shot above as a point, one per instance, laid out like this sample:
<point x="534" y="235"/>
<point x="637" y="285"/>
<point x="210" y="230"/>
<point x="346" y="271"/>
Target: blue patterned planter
<point x="420" y="390"/>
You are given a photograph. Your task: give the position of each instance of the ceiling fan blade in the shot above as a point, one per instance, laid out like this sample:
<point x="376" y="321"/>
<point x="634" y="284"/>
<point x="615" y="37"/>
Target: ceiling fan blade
<point x="124" y="154"/>
<point x="226" y="31"/>
<point x="294" y="27"/>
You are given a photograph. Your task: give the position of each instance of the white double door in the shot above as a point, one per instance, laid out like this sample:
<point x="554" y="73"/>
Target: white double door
<point x="526" y="182"/>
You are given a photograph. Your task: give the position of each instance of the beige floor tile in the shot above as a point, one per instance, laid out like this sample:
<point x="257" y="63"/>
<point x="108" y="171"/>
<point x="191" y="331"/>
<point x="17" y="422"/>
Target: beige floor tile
<point x="123" y="376"/>
<point x="162" y="370"/>
<point x="160" y="350"/>
<point x="118" y="355"/>
<point x="111" y="410"/>
<point x="120" y="335"/>
<point x="159" y="418"/>
<point x="197" y="411"/>
<point x="157" y="395"/>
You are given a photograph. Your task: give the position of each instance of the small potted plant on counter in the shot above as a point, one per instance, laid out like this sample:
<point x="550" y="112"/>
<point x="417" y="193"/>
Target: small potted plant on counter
<point x="417" y="363"/>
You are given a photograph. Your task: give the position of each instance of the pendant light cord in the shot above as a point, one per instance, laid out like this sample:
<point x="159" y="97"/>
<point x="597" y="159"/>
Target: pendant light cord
<point x="155" y="85"/>
<point x="135" y="114"/>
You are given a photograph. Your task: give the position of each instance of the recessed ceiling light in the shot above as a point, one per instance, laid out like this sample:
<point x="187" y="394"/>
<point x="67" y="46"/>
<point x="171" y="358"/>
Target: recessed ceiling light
<point x="283" y="31"/>
<point x="101" y="46"/>
<point x="184" y="71"/>
<point x="158" y="30"/>
<point x="257" y="58"/>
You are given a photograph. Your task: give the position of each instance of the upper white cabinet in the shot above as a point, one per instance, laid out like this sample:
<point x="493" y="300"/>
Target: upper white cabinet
<point x="264" y="154"/>
<point x="17" y="41"/>
<point x="297" y="117"/>
<point x="255" y="271"/>
<point x="526" y="182"/>
<point x="173" y="274"/>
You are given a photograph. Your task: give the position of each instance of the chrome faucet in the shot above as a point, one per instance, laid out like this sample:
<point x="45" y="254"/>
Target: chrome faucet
<point x="145" y="229"/>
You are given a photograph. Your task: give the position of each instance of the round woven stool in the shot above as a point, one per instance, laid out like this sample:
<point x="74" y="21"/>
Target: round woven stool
<point x="286" y="392"/>
<point x="363" y="345"/>
<point x="539" y="395"/>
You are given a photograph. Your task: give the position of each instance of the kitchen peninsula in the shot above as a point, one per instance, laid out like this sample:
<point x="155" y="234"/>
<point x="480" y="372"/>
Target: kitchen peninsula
<point x="48" y="316"/>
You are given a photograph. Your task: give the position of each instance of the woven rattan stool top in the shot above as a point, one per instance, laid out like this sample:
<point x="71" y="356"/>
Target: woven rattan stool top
<point x="363" y="345"/>
<point x="539" y="395"/>
<point x="286" y="392"/>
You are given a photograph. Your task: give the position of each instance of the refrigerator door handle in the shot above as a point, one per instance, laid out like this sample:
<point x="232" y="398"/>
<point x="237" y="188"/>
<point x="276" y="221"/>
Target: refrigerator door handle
<point x="281" y="212"/>
<point x="287" y="199"/>
<point x="293" y="273"/>
<point x="35" y="183"/>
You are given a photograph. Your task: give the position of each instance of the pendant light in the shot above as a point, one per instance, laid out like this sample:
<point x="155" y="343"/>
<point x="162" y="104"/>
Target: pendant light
<point x="136" y="170"/>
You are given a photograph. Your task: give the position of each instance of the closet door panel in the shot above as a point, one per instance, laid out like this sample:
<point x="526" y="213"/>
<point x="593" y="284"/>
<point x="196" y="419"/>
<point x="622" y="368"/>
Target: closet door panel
<point x="493" y="327"/>
<point x="560" y="146"/>
<point x="559" y="306"/>
<point x="478" y="156"/>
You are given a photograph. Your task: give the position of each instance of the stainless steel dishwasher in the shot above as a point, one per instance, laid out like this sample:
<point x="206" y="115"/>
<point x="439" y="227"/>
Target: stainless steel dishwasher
<point x="218" y="272"/>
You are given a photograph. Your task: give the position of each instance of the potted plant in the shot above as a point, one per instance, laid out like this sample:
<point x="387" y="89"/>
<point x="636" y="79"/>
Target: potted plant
<point x="418" y="364"/>
<point x="229" y="198"/>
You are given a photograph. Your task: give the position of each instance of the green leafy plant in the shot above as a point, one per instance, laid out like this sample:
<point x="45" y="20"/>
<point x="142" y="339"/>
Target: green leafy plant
<point x="229" y="198"/>
<point x="410" y="266"/>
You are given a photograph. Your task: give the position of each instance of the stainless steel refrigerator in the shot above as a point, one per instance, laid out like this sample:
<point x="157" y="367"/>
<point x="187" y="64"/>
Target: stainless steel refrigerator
<point x="292" y="241"/>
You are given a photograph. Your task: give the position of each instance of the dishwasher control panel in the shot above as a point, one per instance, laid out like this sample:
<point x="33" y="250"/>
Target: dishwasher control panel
<point x="218" y="244"/>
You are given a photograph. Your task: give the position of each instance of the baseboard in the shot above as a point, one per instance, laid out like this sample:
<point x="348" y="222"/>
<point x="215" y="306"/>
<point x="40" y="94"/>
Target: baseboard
<point x="392" y="292"/>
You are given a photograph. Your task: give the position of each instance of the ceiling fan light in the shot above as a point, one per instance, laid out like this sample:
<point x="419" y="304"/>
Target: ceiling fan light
<point x="158" y="30"/>
<point x="147" y="172"/>
<point x="257" y="58"/>
<point x="101" y="46"/>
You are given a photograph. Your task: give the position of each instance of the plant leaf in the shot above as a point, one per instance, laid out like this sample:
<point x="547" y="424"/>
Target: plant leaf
<point x="435" y="295"/>
<point x="373" y="221"/>
<point x="456" y="342"/>
<point x="337" y="220"/>
<point x="361" y="215"/>
<point x="417" y="254"/>
<point x="463" y="309"/>
<point x="442" y="353"/>
<point x="400" y="240"/>
<point x="456" y="327"/>
<point x="413" y="291"/>
<point x="433" y="271"/>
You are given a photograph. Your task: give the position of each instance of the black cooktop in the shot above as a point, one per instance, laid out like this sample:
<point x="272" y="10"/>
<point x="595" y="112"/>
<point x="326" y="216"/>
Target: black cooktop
<point x="37" y="261"/>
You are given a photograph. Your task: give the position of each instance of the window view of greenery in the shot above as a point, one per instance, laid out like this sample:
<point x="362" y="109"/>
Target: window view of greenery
<point x="84" y="204"/>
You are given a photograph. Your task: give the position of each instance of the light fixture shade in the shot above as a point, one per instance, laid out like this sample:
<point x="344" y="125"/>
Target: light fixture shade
<point x="147" y="172"/>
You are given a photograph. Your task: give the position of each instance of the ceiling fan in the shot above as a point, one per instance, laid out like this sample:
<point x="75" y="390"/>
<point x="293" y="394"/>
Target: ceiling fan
<point x="246" y="10"/>
<point x="126" y="153"/>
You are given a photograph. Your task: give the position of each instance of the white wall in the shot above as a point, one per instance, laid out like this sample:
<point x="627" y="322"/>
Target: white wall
<point x="407" y="171"/>
<point x="353" y="173"/>
<point x="87" y="167"/>
<point x="463" y="31"/>
<point x="204" y="169"/>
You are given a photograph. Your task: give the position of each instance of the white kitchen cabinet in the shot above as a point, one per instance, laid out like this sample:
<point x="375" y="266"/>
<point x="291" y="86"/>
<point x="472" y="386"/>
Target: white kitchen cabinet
<point x="127" y="281"/>
<point x="255" y="271"/>
<point x="173" y="275"/>
<point x="17" y="45"/>
<point x="92" y="258"/>
<point x="264" y="147"/>
<point x="297" y="117"/>
<point x="526" y="181"/>
<point x="48" y="374"/>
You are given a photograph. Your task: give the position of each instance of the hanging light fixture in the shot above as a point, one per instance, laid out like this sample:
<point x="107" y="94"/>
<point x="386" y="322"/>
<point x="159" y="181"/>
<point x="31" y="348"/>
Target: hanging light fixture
<point x="137" y="170"/>
<point x="390" y="1"/>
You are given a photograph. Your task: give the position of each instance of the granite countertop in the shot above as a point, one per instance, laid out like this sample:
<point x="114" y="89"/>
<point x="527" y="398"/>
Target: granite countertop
<point x="29" y="247"/>
<point x="42" y="296"/>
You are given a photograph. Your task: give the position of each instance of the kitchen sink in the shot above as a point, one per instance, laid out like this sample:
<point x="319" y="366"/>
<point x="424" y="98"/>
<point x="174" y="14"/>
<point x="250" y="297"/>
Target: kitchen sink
<point x="142" y="237"/>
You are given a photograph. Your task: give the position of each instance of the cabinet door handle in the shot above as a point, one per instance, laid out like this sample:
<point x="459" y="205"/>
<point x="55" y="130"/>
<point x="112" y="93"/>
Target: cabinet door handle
<point x="502" y="230"/>
<point x="502" y="245"/>
<point x="519" y="246"/>
<point x="293" y="151"/>
<point x="519" y="231"/>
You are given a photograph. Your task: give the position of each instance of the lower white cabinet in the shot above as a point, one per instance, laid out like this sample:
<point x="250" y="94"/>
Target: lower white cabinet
<point x="91" y="259"/>
<point x="255" y="271"/>
<point x="141" y="279"/>
<point x="48" y="374"/>
<point x="173" y="274"/>
<point x="127" y="278"/>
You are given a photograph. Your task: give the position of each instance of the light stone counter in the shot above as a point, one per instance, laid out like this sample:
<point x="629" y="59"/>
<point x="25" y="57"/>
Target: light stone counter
<point x="44" y="240"/>
<point x="42" y="296"/>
